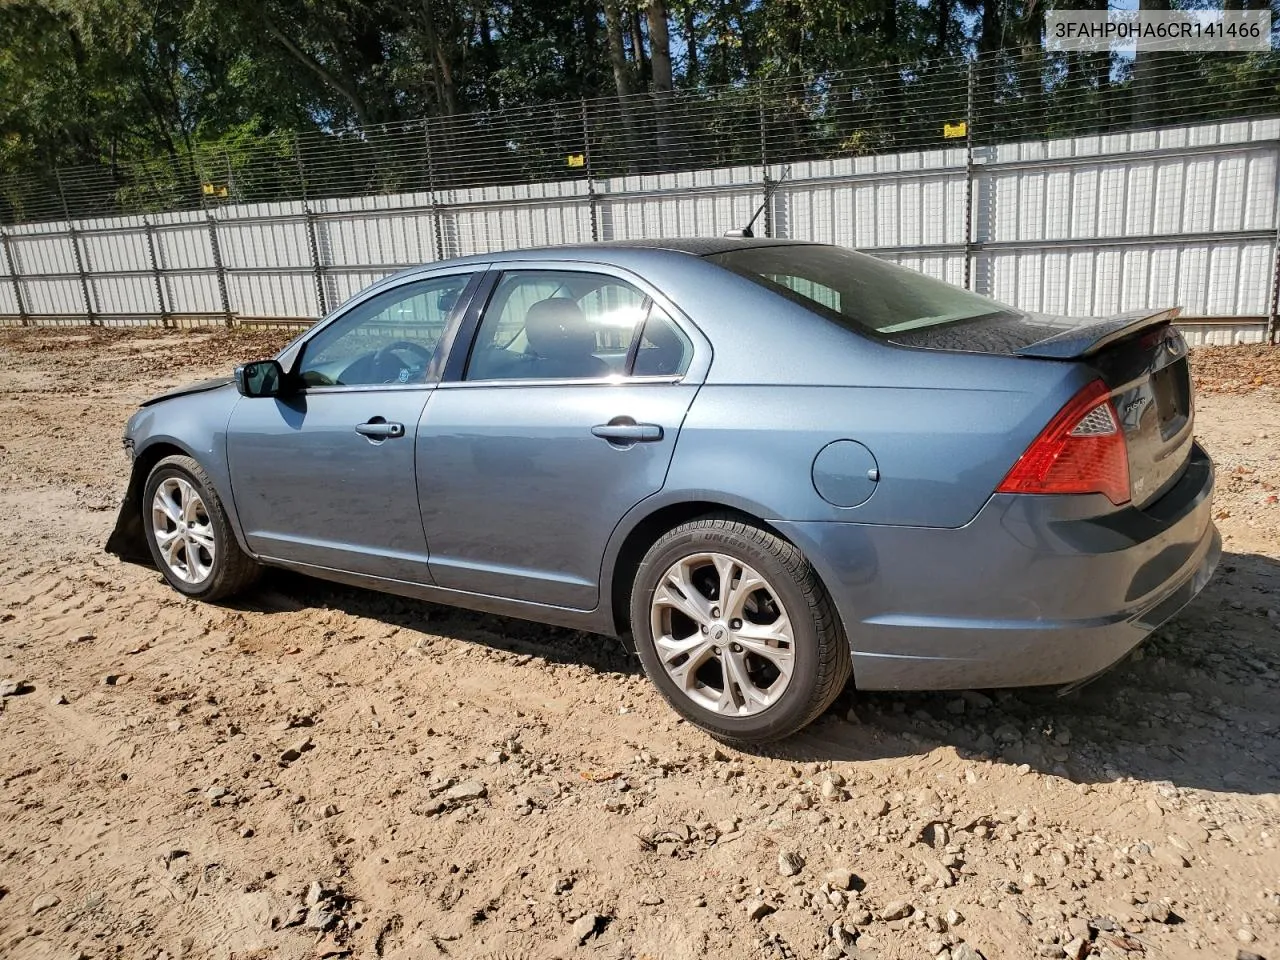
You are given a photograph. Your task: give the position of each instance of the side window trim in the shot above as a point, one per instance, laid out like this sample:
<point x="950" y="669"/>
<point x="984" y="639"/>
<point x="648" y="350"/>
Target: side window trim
<point x="566" y="269"/>
<point x="476" y="275"/>
<point x="468" y="327"/>
<point x="637" y="335"/>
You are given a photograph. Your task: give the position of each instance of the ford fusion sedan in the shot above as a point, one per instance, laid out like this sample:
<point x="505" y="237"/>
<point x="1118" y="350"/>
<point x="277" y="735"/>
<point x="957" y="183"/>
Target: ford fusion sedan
<point x="778" y="467"/>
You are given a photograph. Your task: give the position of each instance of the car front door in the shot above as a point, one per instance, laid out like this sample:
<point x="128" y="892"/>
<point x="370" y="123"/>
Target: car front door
<point x="563" y="417"/>
<point x="324" y="474"/>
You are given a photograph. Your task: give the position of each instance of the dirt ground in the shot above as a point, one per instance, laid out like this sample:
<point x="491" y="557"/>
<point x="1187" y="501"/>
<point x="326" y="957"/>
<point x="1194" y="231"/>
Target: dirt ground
<point x="319" y="770"/>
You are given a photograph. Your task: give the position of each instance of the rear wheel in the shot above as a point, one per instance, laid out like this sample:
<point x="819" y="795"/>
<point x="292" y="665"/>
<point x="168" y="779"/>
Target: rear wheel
<point x="189" y="534"/>
<point x="736" y="631"/>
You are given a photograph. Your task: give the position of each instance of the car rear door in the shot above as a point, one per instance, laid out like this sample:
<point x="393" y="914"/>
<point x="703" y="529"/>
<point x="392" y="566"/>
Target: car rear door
<point x="564" y="415"/>
<point x="323" y="475"/>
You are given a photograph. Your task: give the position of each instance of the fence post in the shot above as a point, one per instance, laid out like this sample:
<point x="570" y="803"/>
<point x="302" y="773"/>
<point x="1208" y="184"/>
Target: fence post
<point x="968" y="177"/>
<point x="217" y="265"/>
<point x="79" y="258"/>
<point x="764" y="166"/>
<point x="1272" y="335"/>
<point x="75" y="249"/>
<point x="11" y="265"/>
<point x="1273" y="320"/>
<point x="317" y="266"/>
<point x="437" y="232"/>
<point x="155" y="271"/>
<point x="591" y="182"/>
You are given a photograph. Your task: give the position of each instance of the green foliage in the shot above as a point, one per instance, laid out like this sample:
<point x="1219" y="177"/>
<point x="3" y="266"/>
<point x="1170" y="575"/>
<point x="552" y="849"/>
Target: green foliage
<point x="154" y="104"/>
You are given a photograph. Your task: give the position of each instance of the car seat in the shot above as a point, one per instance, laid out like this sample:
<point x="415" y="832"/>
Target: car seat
<point x="561" y="341"/>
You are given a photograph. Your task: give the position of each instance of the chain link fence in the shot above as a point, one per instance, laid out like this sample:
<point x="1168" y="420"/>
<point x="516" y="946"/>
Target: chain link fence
<point x="995" y="99"/>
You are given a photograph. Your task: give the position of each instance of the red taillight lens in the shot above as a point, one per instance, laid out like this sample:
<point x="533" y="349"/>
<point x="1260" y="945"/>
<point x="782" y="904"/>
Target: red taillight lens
<point x="1082" y="450"/>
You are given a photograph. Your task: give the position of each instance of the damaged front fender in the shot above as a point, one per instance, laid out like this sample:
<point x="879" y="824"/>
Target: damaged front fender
<point x="128" y="539"/>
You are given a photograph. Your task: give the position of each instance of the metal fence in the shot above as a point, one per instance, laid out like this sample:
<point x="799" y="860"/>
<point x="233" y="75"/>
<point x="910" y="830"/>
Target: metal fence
<point x="1042" y="183"/>
<point x="934" y="104"/>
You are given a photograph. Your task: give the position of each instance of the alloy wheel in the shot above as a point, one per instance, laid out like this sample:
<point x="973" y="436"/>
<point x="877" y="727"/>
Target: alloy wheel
<point x="183" y="530"/>
<point x="722" y="634"/>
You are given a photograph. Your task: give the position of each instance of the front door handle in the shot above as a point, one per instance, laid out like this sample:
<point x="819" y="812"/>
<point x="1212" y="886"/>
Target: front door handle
<point x="379" y="429"/>
<point x="628" y="432"/>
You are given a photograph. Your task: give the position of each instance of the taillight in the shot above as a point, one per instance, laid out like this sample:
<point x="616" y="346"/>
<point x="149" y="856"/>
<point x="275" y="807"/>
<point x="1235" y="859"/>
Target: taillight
<point x="1082" y="450"/>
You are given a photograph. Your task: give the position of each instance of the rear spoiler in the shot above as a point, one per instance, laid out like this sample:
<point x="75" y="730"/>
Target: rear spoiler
<point x="1094" y="335"/>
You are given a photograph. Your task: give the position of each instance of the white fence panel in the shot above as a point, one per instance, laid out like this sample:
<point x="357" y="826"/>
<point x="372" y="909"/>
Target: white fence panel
<point x="1084" y="225"/>
<point x="386" y="239"/>
<point x="123" y="296"/>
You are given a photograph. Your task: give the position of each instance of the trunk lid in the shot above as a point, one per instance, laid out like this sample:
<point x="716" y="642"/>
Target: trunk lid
<point x="1150" y="381"/>
<point x="1140" y="356"/>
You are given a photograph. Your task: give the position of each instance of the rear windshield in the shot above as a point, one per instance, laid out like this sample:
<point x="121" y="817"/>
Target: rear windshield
<point x="859" y="291"/>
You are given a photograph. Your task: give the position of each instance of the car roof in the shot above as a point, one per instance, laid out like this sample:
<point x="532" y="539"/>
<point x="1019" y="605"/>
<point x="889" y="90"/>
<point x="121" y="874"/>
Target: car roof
<point x="622" y="253"/>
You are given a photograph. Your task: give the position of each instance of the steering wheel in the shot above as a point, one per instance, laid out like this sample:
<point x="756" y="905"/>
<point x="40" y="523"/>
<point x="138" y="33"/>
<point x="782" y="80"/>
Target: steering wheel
<point x="388" y="353"/>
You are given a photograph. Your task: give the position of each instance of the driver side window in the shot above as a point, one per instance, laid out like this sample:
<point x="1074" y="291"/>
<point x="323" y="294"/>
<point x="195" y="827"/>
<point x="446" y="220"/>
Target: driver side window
<point x="388" y="339"/>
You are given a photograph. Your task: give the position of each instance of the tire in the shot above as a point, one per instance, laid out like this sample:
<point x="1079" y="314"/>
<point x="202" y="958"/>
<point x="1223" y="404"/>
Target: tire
<point x="721" y="554"/>
<point x="192" y="568"/>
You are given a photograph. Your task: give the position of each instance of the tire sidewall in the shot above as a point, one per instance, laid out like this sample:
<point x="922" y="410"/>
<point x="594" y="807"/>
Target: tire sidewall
<point x="161" y="472"/>
<point x="792" y="711"/>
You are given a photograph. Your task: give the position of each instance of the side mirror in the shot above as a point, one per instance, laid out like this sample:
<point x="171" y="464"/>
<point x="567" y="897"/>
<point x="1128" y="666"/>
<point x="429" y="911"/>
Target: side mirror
<point x="262" y="378"/>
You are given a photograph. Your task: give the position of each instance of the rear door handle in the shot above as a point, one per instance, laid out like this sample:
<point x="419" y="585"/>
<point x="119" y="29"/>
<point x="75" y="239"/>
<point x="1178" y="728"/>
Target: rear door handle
<point x="379" y="429"/>
<point x="628" y="432"/>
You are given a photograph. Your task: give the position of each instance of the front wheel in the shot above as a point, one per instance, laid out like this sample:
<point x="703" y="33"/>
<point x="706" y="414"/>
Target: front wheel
<point x="189" y="534"/>
<point x="736" y="631"/>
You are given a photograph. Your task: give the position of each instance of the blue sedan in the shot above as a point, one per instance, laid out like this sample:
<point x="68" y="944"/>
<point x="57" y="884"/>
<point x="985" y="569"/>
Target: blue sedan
<point x="776" y="466"/>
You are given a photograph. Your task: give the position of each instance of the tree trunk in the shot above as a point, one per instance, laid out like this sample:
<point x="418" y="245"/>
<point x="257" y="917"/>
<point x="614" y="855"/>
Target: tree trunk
<point x="943" y="12"/>
<point x="637" y="46"/>
<point x="659" y="46"/>
<point x="992" y="28"/>
<point x="660" y="52"/>
<point x="621" y="76"/>
<point x="691" y="43"/>
<point x="617" y="56"/>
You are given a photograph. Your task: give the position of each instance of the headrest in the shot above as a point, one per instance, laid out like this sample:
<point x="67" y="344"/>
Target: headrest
<point x="556" y="328"/>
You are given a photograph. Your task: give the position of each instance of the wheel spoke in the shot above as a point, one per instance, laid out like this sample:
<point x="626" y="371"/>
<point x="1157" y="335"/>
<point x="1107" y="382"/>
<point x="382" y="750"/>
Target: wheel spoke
<point x="202" y="536"/>
<point x="191" y="503"/>
<point x="684" y="674"/>
<point x="772" y="641"/>
<point x="172" y="551"/>
<point x="726" y="702"/>
<point x="165" y="505"/>
<point x="670" y="648"/>
<point x="736" y="675"/>
<point x="196" y="567"/>
<point x="736" y="592"/>
<point x="678" y="592"/>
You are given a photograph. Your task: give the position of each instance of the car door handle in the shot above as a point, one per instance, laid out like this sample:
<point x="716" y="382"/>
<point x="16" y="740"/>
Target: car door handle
<point x="628" y="432"/>
<point x="379" y="429"/>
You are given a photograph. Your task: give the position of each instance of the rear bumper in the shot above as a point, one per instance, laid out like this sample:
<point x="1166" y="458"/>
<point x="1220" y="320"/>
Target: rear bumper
<point x="1034" y="591"/>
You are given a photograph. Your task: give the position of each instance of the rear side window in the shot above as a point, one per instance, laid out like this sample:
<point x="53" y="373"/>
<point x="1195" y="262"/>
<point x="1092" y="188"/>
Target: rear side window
<point x="858" y="291"/>
<point x="663" y="350"/>
<point x="571" y="325"/>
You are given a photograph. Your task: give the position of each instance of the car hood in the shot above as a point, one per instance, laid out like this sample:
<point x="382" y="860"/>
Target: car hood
<point x="200" y="387"/>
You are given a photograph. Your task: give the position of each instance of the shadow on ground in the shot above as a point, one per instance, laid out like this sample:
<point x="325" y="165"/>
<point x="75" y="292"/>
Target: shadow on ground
<point x="1197" y="705"/>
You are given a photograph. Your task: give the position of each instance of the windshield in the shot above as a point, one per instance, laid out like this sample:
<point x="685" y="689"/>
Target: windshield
<point x="859" y="291"/>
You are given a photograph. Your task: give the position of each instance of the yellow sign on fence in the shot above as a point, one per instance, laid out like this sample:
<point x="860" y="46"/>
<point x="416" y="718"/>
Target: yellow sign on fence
<point x="214" y="190"/>
<point x="954" y="131"/>
<point x="577" y="159"/>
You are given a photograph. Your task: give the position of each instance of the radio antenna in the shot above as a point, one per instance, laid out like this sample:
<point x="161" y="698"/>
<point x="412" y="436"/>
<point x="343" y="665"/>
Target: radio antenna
<point x="746" y="231"/>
